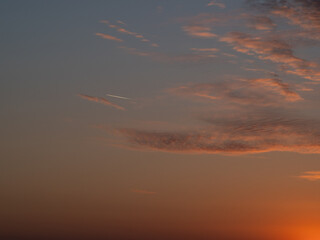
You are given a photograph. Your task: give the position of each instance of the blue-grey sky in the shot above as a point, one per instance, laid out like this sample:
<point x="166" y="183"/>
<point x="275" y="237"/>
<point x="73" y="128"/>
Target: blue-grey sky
<point x="160" y="119"/>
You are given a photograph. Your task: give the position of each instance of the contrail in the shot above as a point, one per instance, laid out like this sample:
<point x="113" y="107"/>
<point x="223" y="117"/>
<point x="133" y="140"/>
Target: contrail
<point x="118" y="97"/>
<point x="100" y="100"/>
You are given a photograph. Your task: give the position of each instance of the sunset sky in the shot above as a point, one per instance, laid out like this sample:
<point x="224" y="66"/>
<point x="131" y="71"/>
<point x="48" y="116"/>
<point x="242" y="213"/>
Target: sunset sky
<point x="160" y="119"/>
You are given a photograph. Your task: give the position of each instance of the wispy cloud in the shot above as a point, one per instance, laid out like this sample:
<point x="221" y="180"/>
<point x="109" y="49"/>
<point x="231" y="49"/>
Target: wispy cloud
<point x="280" y="87"/>
<point x="100" y="100"/>
<point x="109" y="37"/>
<point x="216" y="3"/>
<point x="210" y="52"/>
<point x="121" y="22"/>
<point x="302" y="13"/>
<point x="255" y="91"/>
<point x="200" y="26"/>
<point x="311" y="175"/>
<point x="171" y="58"/>
<point x="205" y="50"/>
<point x="122" y="30"/>
<point x="199" y="31"/>
<point x="275" y="50"/>
<point x="259" y="22"/>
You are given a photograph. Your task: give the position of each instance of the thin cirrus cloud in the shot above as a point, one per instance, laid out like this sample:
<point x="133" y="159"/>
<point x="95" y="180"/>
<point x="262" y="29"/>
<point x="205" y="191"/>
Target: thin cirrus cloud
<point x="171" y="58"/>
<point x="121" y="22"/>
<point x="101" y="101"/>
<point x="216" y="3"/>
<point x="310" y="175"/>
<point x="259" y="22"/>
<point x="109" y="37"/>
<point x="280" y="87"/>
<point x="257" y="91"/>
<point x="207" y="50"/>
<point x="200" y="26"/>
<point x="230" y="136"/>
<point x="199" y="31"/>
<point x="125" y="31"/>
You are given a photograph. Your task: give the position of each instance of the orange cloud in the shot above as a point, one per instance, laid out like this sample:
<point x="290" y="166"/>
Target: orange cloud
<point x="106" y="36"/>
<point x="122" y="30"/>
<point x="199" y="31"/>
<point x="208" y="50"/>
<point x="275" y="50"/>
<point x="311" y="175"/>
<point x="260" y="22"/>
<point x="305" y="15"/>
<point x="302" y="13"/>
<point x="257" y="91"/>
<point x="100" y="100"/>
<point x="230" y="136"/>
<point x="278" y="86"/>
<point x="200" y="25"/>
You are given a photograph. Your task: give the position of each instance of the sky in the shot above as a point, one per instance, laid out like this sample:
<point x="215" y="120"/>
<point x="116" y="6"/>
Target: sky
<point x="160" y="119"/>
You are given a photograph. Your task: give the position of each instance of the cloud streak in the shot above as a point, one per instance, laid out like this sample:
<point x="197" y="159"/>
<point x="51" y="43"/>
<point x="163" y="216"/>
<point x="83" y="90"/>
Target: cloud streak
<point x="122" y="30"/>
<point x="115" y="96"/>
<point x="199" y="31"/>
<point x="311" y="175"/>
<point x="109" y="37"/>
<point x="200" y="26"/>
<point x="101" y="101"/>
<point x="171" y="58"/>
<point x="215" y="3"/>
<point x="256" y="91"/>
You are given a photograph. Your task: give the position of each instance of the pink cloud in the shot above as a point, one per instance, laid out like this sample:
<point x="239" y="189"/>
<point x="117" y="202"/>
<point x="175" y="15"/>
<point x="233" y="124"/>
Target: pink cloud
<point x="259" y="22"/>
<point x="275" y="50"/>
<point x="199" y="31"/>
<point x="109" y="37"/>
<point x="256" y="91"/>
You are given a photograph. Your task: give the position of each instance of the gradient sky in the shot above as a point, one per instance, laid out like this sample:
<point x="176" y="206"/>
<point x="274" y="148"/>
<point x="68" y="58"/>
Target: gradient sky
<point x="160" y="119"/>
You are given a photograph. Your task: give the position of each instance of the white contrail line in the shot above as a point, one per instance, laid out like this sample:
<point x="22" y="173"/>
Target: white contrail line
<point x="115" y="96"/>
